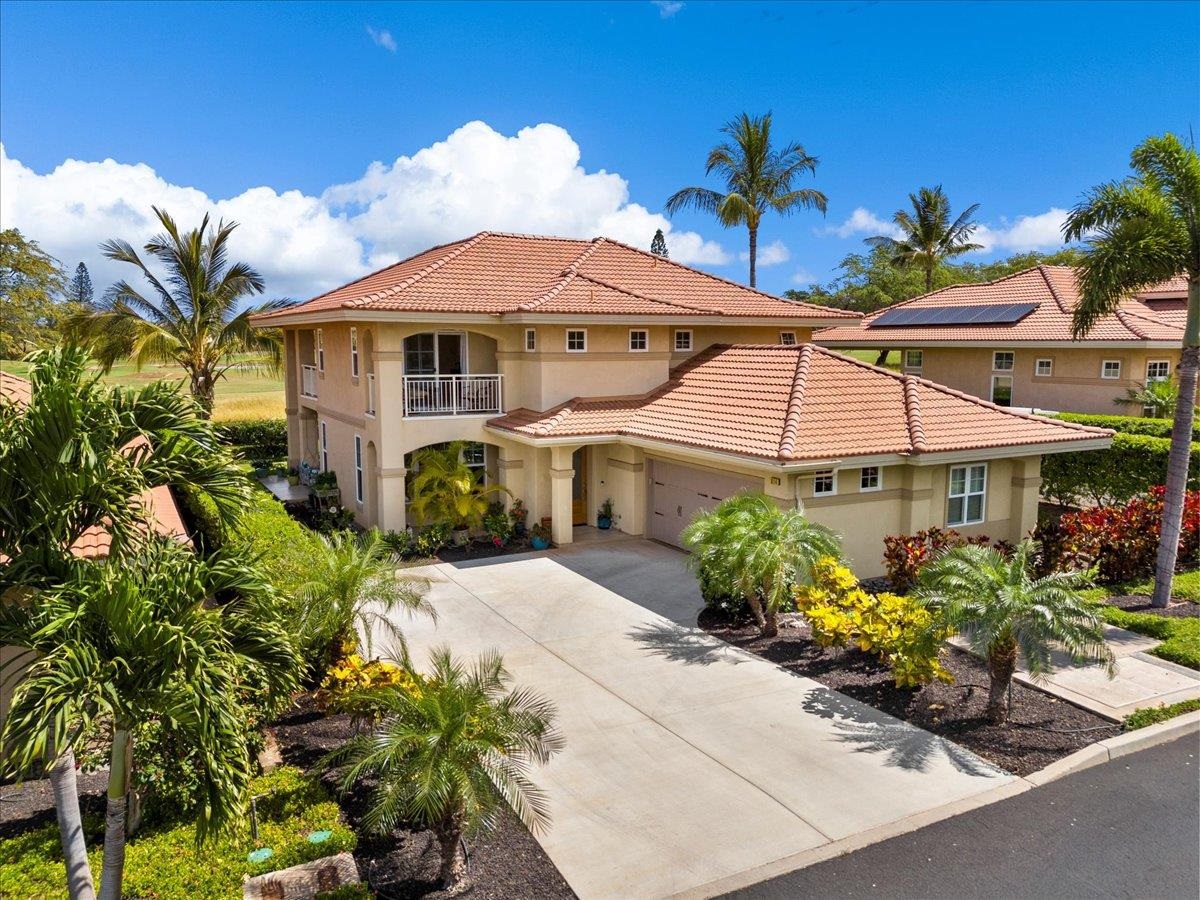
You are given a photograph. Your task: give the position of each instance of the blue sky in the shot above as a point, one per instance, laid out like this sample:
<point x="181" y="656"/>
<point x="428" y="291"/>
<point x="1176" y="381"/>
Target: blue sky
<point x="274" y="114"/>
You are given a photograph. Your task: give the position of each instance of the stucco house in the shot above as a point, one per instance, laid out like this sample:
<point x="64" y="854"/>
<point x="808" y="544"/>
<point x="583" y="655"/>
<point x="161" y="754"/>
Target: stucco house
<point x="1010" y="341"/>
<point x="584" y="370"/>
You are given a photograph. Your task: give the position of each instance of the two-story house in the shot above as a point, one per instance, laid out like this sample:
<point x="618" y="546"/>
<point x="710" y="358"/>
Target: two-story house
<point x="589" y="370"/>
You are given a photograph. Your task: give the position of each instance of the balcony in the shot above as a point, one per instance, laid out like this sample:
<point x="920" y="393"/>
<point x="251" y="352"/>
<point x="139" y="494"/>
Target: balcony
<point x="308" y="381"/>
<point x="453" y="395"/>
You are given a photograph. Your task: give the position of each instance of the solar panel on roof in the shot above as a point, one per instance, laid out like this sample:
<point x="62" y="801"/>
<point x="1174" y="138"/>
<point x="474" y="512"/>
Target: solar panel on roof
<point x="980" y="314"/>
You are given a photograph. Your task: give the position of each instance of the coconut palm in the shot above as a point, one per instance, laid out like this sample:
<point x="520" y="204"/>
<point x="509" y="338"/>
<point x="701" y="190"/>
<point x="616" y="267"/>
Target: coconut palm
<point x="1139" y="232"/>
<point x="1003" y="611"/>
<point x="446" y="489"/>
<point x="444" y="755"/>
<point x="758" y="177"/>
<point x="193" y="320"/>
<point x="748" y="546"/>
<point x="928" y="237"/>
<point x="1157" y="398"/>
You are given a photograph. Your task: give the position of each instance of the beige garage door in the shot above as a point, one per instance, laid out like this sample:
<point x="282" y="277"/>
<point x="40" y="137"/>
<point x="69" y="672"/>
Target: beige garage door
<point x="678" y="492"/>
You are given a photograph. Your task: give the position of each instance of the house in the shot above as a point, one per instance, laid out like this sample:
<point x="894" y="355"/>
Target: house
<point x="587" y="370"/>
<point x="1010" y="341"/>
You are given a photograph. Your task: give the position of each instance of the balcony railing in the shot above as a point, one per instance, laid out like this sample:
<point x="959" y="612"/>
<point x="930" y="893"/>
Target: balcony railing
<point x="308" y="381"/>
<point x="370" y="393"/>
<point x="452" y="395"/>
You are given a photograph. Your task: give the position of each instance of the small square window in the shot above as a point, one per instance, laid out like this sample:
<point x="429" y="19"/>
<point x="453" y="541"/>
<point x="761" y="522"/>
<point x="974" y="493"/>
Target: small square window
<point x="1002" y="390"/>
<point x="870" y="479"/>
<point x="914" y="360"/>
<point x="530" y="339"/>
<point x="787" y="338"/>
<point x="1045" y="368"/>
<point x="1110" y="369"/>
<point x="1158" y="370"/>
<point x="576" y="340"/>
<point x="639" y="340"/>
<point x="824" y="483"/>
<point x="1003" y="361"/>
<point x="683" y="339"/>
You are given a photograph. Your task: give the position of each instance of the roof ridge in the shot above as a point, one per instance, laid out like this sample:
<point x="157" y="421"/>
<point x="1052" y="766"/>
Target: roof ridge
<point x="791" y="420"/>
<point x="1120" y="315"/>
<point x="417" y="276"/>
<point x="912" y="415"/>
<point x="617" y="287"/>
<point x="1062" y="306"/>
<point x="566" y="277"/>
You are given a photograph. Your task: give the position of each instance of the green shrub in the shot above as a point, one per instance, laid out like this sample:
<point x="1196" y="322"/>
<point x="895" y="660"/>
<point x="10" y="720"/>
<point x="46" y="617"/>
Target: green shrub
<point x="1160" y="428"/>
<point x="201" y="518"/>
<point x="258" y="440"/>
<point x="1180" y="637"/>
<point x="282" y="545"/>
<point x="1131" y="466"/>
<point x="1156" y="714"/>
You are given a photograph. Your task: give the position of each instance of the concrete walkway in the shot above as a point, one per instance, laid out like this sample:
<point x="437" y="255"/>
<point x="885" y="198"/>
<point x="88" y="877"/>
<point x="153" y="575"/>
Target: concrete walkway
<point x="687" y="761"/>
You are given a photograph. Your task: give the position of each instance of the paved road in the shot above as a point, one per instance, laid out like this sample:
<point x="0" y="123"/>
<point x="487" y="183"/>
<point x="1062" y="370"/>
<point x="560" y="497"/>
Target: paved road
<point x="1129" y="828"/>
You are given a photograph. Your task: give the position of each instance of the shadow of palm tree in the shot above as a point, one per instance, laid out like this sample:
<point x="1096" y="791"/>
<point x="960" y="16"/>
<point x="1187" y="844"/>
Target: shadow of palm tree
<point x="687" y="645"/>
<point x="906" y="746"/>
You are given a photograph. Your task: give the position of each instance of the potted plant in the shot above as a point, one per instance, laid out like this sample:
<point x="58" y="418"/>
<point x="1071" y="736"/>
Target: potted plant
<point x="539" y="536"/>
<point x="293" y="476"/>
<point x="604" y="515"/>
<point x="446" y="489"/>
<point x="517" y="514"/>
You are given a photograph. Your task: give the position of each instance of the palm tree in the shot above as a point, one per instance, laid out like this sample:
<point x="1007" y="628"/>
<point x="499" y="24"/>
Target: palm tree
<point x="192" y="320"/>
<point x="445" y="754"/>
<point x="1138" y="232"/>
<point x="354" y="589"/>
<point x="1002" y="610"/>
<point x="748" y="546"/>
<point x="758" y="177"/>
<point x="446" y="489"/>
<point x="1159" y="397"/>
<point x="928" y="235"/>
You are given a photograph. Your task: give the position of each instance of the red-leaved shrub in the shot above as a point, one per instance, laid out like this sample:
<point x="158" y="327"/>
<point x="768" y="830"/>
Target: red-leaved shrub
<point x="905" y="554"/>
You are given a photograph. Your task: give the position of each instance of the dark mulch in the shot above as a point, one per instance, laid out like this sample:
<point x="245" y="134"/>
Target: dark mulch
<point x="481" y="550"/>
<point x="1183" y="609"/>
<point x="30" y="804"/>
<point x="504" y="863"/>
<point x="1042" y="730"/>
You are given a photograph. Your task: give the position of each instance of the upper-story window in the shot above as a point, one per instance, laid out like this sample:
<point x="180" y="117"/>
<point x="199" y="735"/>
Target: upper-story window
<point x="1044" y="367"/>
<point x="353" y="351"/>
<point x="530" y="339"/>
<point x="1158" y="370"/>
<point x="639" y="340"/>
<point x="320" y="339"/>
<point x="914" y="360"/>
<point x="824" y="483"/>
<point x="787" y="338"/>
<point x="1110" y="369"/>
<point x="1003" y="361"/>
<point x="870" y="478"/>
<point x="576" y="340"/>
<point x="683" y="339"/>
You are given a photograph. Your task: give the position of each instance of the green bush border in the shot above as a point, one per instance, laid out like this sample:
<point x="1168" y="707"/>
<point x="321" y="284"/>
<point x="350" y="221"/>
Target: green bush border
<point x="1131" y="466"/>
<point x="1155" y="714"/>
<point x="258" y="440"/>
<point x="1160" y="428"/>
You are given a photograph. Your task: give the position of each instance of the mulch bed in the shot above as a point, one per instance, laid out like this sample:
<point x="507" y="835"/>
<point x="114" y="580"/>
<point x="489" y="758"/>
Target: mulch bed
<point x="1042" y="728"/>
<point x="30" y="805"/>
<point x="1140" y="603"/>
<point x="504" y="863"/>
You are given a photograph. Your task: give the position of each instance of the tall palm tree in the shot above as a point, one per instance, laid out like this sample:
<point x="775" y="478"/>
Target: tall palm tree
<point x="192" y="320"/>
<point x="1002" y="610"/>
<point x="445" y="754"/>
<point x="749" y="546"/>
<point x="1138" y="232"/>
<point x="928" y="235"/>
<point x="758" y="177"/>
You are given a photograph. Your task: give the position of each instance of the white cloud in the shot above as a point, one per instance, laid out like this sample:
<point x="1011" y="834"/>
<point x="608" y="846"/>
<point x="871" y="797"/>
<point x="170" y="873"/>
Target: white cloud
<point x="667" y="8"/>
<point x="803" y="277"/>
<point x="382" y="38"/>
<point x="1040" y="232"/>
<point x="771" y="254"/>
<point x="863" y="221"/>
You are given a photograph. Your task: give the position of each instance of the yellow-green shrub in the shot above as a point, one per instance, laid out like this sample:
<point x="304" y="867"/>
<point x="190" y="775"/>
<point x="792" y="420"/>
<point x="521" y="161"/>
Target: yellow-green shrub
<point x="348" y="685"/>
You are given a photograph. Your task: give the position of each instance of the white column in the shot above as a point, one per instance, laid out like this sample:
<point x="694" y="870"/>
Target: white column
<point x="391" y="515"/>
<point x="561" y="474"/>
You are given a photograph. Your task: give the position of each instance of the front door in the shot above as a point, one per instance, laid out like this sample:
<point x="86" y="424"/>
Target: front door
<point x="579" y="492"/>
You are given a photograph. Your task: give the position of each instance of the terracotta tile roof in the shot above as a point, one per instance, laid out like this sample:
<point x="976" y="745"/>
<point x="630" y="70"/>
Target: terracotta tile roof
<point x="14" y="388"/>
<point x="794" y="403"/>
<point x="498" y="274"/>
<point x="1172" y="287"/>
<point x="1167" y="308"/>
<point x="1053" y="288"/>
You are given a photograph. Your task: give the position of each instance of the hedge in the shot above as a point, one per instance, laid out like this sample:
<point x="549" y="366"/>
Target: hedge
<point x="259" y="440"/>
<point x="1131" y="466"/>
<point x="1159" y="428"/>
<point x="283" y="546"/>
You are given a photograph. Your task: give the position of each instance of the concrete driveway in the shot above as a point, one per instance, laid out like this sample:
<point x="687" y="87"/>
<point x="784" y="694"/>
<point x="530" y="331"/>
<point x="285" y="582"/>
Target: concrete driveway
<point x="689" y="764"/>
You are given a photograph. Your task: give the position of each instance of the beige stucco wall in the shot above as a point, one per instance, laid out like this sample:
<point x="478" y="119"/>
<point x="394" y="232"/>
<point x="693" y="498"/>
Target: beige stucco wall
<point x="706" y="335"/>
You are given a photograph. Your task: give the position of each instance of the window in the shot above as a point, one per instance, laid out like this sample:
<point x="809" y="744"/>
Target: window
<point x="639" y="340"/>
<point x="530" y="339"/>
<point x="324" y="447"/>
<point x="420" y="354"/>
<point x="824" y="483"/>
<point x="870" y="478"/>
<point x="683" y="339"/>
<point x="787" y="338"/>
<point x="320" y="351"/>
<point x="1044" y="368"/>
<point x="1003" y="361"/>
<point x="576" y="340"/>
<point x="354" y="351"/>
<point x="1110" y="369"/>
<point x="474" y="455"/>
<point x="1158" y="370"/>
<point x="1002" y="390"/>
<point x="358" y="469"/>
<point x="968" y="486"/>
<point x="914" y="360"/>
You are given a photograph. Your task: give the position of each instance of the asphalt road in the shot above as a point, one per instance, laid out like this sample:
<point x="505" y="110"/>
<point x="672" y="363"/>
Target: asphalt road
<point x="1128" y="828"/>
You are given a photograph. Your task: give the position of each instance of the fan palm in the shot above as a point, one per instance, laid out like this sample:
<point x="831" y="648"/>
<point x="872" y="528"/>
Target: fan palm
<point x="748" y="546"/>
<point x="758" y="177"/>
<point x="192" y="320"/>
<point x="927" y="235"/>
<point x="1002" y="610"/>
<point x="445" y="754"/>
<point x="1139" y="232"/>
<point x="446" y="489"/>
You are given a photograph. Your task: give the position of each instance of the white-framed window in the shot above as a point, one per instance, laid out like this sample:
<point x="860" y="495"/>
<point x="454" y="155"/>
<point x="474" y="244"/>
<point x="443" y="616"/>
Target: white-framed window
<point x="1110" y="369"/>
<point x="576" y="340"/>
<point x="968" y="490"/>
<point x="1003" y="361"/>
<point x="914" y="360"/>
<point x="1002" y="390"/>
<point x="824" y="483"/>
<point x="639" y="340"/>
<point x="353" y="351"/>
<point x="683" y="339"/>
<point x="320" y="341"/>
<point x="787" y="338"/>
<point x="1044" y="367"/>
<point x="530" y="340"/>
<point x="870" y="478"/>
<point x="358" y="469"/>
<point x="324" y="447"/>
<point x="1158" y="370"/>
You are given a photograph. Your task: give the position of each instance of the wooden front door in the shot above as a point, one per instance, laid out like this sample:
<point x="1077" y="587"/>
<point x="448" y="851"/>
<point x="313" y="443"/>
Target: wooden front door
<point x="579" y="491"/>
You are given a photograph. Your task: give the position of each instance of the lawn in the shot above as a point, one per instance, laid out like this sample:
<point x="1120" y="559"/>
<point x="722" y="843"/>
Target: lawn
<point x="869" y="356"/>
<point x="242" y="394"/>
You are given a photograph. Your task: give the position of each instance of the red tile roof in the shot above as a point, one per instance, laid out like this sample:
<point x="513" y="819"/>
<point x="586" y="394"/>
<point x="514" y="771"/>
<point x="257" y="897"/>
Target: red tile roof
<point x="14" y="388"/>
<point x="1053" y="288"/>
<point x="510" y="274"/>
<point x="794" y="403"/>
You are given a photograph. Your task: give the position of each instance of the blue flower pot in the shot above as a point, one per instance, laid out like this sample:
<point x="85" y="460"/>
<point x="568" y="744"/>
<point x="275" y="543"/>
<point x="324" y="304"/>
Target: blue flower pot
<point x="603" y="522"/>
<point x="539" y="543"/>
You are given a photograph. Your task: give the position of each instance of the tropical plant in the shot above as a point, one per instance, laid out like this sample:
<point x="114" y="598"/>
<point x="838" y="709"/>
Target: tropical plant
<point x="758" y="177"/>
<point x="1139" y="232"/>
<point x="444" y="756"/>
<point x="446" y="489"/>
<point x="994" y="601"/>
<point x="1156" y="399"/>
<point x="927" y="236"/>
<point x="748" y="546"/>
<point x="31" y="282"/>
<point x="193" y="320"/>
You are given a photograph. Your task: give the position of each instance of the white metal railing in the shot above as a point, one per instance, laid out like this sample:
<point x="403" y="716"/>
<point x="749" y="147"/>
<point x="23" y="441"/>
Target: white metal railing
<point x="452" y="395"/>
<point x="308" y="381"/>
<point x="370" y="393"/>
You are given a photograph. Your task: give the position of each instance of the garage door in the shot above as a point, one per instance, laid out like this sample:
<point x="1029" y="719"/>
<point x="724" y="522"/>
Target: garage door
<point x="678" y="492"/>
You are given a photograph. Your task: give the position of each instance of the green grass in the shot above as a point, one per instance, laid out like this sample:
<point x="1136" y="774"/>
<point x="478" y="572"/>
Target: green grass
<point x="1156" y="714"/>
<point x="1185" y="586"/>
<point x="869" y="356"/>
<point x="1180" y="637"/>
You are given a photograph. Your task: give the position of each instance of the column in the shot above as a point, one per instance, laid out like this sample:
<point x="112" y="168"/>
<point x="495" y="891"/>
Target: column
<point x="562" y="472"/>
<point x="1023" y="502"/>
<point x="391" y="515"/>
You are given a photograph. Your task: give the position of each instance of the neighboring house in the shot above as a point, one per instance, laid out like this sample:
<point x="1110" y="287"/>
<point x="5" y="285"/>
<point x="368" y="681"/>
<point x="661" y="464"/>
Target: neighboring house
<point x="587" y="370"/>
<point x="1010" y="341"/>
